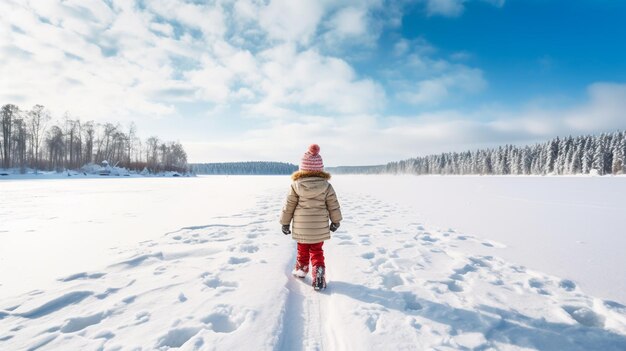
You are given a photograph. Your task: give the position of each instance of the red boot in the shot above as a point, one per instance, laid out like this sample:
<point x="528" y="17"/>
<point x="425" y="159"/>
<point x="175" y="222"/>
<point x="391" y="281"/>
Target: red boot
<point x="300" y="271"/>
<point x="319" y="279"/>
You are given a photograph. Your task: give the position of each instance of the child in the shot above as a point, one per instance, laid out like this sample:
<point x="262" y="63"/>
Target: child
<point x="310" y="203"/>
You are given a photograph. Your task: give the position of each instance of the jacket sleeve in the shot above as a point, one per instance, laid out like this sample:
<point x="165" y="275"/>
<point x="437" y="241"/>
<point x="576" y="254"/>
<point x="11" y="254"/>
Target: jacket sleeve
<point x="332" y="204"/>
<point x="290" y="206"/>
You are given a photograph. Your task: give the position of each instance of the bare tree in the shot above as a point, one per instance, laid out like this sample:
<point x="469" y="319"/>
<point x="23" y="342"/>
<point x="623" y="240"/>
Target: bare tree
<point x="19" y="147"/>
<point x="89" y="131"/>
<point x="56" y="147"/>
<point x="132" y="130"/>
<point x="152" y="152"/>
<point x="7" y="114"/>
<point x="70" y="134"/>
<point x="38" y="119"/>
<point x="29" y="141"/>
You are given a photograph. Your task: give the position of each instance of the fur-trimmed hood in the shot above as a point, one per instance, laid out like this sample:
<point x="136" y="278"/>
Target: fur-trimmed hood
<point x="310" y="183"/>
<point x="310" y="174"/>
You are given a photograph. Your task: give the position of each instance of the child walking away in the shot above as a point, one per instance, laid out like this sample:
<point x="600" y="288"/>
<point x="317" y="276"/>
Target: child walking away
<point x="311" y="203"/>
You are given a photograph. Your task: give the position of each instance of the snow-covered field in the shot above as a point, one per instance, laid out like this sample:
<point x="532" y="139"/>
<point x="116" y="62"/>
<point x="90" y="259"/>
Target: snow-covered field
<point x="200" y="263"/>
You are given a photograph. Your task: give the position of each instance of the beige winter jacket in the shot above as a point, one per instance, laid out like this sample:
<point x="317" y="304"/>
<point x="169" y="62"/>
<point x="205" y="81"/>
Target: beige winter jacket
<point x="311" y="203"/>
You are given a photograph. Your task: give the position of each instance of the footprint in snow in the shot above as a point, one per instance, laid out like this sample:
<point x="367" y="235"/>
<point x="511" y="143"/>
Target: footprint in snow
<point x="55" y="304"/>
<point x="79" y="323"/>
<point x="567" y="285"/>
<point x="372" y="322"/>
<point x="538" y="286"/>
<point x="105" y="334"/>
<point x="238" y="260"/>
<point x="460" y="273"/>
<point x="223" y="319"/>
<point x="426" y="238"/>
<point x="159" y="270"/>
<point x="215" y="282"/>
<point x="82" y="275"/>
<point x="177" y="337"/>
<point x="370" y="316"/>
<point x="220" y="323"/>
<point x="585" y="316"/>
<point x="368" y="255"/>
<point x="391" y="280"/>
<point x="454" y="286"/>
<point x="410" y="302"/>
<point x="129" y="299"/>
<point x="142" y="317"/>
<point x="248" y="248"/>
<point x="343" y="236"/>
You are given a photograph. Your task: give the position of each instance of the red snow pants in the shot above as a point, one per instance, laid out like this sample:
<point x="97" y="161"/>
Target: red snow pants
<point x="313" y="252"/>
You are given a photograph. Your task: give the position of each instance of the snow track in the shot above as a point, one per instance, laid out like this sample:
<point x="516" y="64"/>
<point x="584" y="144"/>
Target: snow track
<point x="303" y="318"/>
<point x="394" y="283"/>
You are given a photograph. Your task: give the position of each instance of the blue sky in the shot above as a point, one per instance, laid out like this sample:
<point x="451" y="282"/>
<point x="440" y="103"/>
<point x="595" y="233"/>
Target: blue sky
<point x="533" y="47"/>
<point x="370" y="81"/>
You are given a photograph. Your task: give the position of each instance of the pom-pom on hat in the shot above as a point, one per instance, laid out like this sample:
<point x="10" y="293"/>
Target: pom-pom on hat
<point x="312" y="161"/>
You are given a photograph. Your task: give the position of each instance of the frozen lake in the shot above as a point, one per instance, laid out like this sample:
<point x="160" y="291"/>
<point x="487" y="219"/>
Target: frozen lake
<point x="508" y="263"/>
<point x="50" y="228"/>
<point x="571" y="227"/>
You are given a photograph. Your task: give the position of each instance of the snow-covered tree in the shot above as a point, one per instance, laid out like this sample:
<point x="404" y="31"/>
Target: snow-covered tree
<point x="569" y="155"/>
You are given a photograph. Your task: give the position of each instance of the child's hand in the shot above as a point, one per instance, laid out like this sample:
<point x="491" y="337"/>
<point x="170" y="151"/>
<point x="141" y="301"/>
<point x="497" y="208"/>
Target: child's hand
<point x="334" y="226"/>
<point x="286" y="230"/>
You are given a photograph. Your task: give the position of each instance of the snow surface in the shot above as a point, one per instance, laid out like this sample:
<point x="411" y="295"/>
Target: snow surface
<point x="200" y="263"/>
<point x="572" y="227"/>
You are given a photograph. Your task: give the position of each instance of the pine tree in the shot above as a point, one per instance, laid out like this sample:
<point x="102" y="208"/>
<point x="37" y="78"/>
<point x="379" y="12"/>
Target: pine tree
<point x="486" y="167"/>
<point x="617" y="166"/>
<point x="599" y="158"/>
<point x="585" y="163"/>
<point x="575" y="166"/>
<point x="551" y="154"/>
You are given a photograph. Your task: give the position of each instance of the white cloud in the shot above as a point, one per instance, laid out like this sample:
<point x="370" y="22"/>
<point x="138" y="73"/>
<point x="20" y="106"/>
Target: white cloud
<point x="292" y="21"/>
<point x="309" y="79"/>
<point x="457" y="80"/>
<point x="66" y="71"/>
<point x="453" y="8"/>
<point x="449" y="8"/>
<point x="212" y="79"/>
<point x="350" y="21"/>
<point x="423" y="80"/>
<point x="605" y="110"/>
<point x="162" y="28"/>
<point x="369" y="139"/>
<point x="209" y="19"/>
<point x="101" y="59"/>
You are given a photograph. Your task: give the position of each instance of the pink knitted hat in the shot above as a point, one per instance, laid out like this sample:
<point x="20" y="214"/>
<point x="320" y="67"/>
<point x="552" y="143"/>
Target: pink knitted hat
<point x="312" y="161"/>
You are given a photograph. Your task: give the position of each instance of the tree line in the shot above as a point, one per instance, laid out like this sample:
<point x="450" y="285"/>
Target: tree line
<point x="32" y="140"/>
<point x="244" y="168"/>
<point x="601" y="154"/>
<point x="356" y="169"/>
